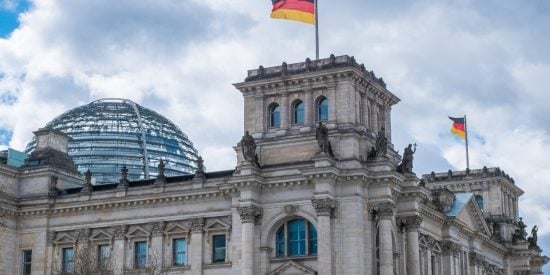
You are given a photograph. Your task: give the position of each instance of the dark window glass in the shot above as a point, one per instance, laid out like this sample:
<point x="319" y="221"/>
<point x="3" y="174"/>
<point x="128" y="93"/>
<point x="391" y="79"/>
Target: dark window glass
<point x="68" y="259"/>
<point x="312" y="239"/>
<point x="281" y="242"/>
<point x="297" y="238"/>
<point x="27" y="260"/>
<point x="218" y="248"/>
<point x="275" y="116"/>
<point x="180" y="249"/>
<point x="140" y="253"/>
<point x="104" y="254"/>
<point x="299" y="112"/>
<point x="322" y="110"/>
<point x="479" y="200"/>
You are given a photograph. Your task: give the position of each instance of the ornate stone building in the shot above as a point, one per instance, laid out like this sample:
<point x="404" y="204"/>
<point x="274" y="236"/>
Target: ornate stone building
<point x="316" y="190"/>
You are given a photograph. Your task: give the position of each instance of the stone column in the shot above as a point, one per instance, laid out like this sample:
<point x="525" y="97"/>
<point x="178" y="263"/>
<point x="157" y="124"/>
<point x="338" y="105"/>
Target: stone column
<point x="413" y="249"/>
<point x="385" y="213"/>
<point x="388" y="122"/>
<point x="309" y="109"/>
<point x="285" y="121"/>
<point x="249" y="215"/>
<point x="119" y="246"/>
<point x="331" y="96"/>
<point x="261" y="116"/>
<point x="450" y="251"/>
<point x="195" y="253"/>
<point x="325" y="208"/>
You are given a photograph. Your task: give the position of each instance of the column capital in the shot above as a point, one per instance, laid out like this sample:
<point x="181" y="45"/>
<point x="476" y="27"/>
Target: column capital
<point x="250" y="214"/>
<point x="324" y="207"/>
<point x="385" y="210"/>
<point x="411" y="223"/>
<point x="450" y="248"/>
<point x="197" y="225"/>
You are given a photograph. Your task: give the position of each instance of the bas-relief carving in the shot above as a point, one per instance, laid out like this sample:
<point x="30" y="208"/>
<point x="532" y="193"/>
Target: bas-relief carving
<point x="385" y="210"/>
<point x="324" y="207"/>
<point x="197" y="225"/>
<point x="291" y="210"/>
<point x="250" y="214"/>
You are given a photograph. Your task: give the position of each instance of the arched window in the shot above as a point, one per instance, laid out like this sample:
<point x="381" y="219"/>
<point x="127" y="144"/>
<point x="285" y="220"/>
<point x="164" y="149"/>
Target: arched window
<point x="275" y="116"/>
<point x="297" y="237"/>
<point x="299" y="112"/>
<point x="322" y="109"/>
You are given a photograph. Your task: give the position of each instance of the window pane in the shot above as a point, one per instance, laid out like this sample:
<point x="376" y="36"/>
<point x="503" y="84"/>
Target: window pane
<point x="323" y="110"/>
<point x="275" y="116"/>
<point x="27" y="259"/>
<point x="281" y="242"/>
<point x="219" y="248"/>
<point x="104" y="252"/>
<point x="299" y="112"/>
<point x="140" y="254"/>
<point x="296" y="238"/>
<point x="68" y="257"/>
<point x="312" y="239"/>
<point x="179" y="251"/>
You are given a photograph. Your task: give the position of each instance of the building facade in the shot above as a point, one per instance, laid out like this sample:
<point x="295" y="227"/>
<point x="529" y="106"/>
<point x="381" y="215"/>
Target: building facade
<point x="318" y="188"/>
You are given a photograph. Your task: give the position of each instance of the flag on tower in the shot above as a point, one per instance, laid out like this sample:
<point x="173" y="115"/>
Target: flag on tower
<point x="458" y="127"/>
<point x="297" y="10"/>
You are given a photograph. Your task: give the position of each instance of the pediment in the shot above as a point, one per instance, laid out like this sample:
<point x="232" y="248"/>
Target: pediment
<point x="176" y="229"/>
<point x="292" y="268"/>
<point x="472" y="216"/>
<point x="100" y="234"/>
<point x="217" y="225"/>
<point x="64" y="238"/>
<point x="137" y="231"/>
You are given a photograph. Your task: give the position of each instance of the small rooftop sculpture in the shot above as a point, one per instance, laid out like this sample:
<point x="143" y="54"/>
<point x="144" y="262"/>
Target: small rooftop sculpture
<point x="406" y="164"/>
<point x="321" y="134"/>
<point x="248" y="146"/>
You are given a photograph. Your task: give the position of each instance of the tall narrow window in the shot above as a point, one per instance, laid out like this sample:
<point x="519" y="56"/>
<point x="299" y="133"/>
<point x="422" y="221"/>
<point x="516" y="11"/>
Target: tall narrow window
<point x="140" y="254"/>
<point x="104" y="256"/>
<point x="479" y="200"/>
<point x="180" y="249"/>
<point x="299" y="112"/>
<point x="218" y="248"/>
<point x="322" y="110"/>
<point x="297" y="237"/>
<point x="68" y="259"/>
<point x="275" y="116"/>
<point x="27" y="262"/>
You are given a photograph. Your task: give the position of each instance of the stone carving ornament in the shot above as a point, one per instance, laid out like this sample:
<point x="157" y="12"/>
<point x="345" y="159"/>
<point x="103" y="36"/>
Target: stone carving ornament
<point x="250" y="214"/>
<point x="324" y="207"/>
<point x="248" y="147"/>
<point x="381" y="143"/>
<point x="321" y="134"/>
<point x="197" y="225"/>
<point x="406" y="164"/>
<point x="411" y="223"/>
<point x="450" y="248"/>
<point x="157" y="228"/>
<point x="291" y="210"/>
<point x="120" y="231"/>
<point x="385" y="210"/>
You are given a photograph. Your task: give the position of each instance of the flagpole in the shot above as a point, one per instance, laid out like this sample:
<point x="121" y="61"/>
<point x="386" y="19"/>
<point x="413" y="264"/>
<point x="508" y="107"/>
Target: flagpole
<point x="466" y="138"/>
<point x="316" y="31"/>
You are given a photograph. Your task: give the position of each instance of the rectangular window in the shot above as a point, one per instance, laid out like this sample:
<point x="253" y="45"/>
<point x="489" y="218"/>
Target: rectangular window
<point x="140" y="254"/>
<point x="103" y="256"/>
<point x="27" y="260"/>
<point x="68" y="259"/>
<point x="218" y="248"/>
<point x="179" y="251"/>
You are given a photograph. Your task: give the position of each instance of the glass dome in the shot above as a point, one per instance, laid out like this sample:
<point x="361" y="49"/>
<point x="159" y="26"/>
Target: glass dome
<point x="110" y="133"/>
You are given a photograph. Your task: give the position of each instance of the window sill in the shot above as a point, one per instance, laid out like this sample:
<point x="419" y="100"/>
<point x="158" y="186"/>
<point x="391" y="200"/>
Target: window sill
<point x="217" y="265"/>
<point x="296" y="258"/>
<point x="176" y="268"/>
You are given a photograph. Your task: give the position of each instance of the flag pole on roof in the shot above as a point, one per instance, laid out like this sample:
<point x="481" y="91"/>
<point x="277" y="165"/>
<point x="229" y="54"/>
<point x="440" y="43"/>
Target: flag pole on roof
<point x="460" y="129"/>
<point x="305" y="11"/>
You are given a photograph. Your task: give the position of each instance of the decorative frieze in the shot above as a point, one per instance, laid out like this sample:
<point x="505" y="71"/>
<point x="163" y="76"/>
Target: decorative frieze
<point x="197" y="225"/>
<point x="324" y="207"/>
<point x="250" y="214"/>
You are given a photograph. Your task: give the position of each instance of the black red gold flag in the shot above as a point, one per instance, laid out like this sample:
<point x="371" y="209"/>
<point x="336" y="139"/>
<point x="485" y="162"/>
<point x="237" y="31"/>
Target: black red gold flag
<point x="458" y="127"/>
<point x="297" y="10"/>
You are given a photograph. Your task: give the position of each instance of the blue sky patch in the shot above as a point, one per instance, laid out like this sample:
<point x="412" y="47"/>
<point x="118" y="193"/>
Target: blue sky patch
<point x="5" y="136"/>
<point x="9" y="15"/>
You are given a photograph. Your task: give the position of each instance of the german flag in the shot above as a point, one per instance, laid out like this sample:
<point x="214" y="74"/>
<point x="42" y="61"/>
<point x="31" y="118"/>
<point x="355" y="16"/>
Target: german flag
<point x="297" y="10"/>
<point x="458" y="127"/>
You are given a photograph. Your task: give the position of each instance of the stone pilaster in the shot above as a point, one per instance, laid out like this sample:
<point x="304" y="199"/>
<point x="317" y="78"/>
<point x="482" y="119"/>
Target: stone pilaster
<point x="385" y="214"/>
<point x="157" y="230"/>
<point x="325" y="209"/>
<point x="119" y="248"/>
<point x="450" y="252"/>
<point x="249" y="216"/>
<point x="195" y="253"/>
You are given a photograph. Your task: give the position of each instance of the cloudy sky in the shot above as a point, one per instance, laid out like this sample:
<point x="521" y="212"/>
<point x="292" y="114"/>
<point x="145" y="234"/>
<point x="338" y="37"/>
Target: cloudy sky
<point x="487" y="59"/>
